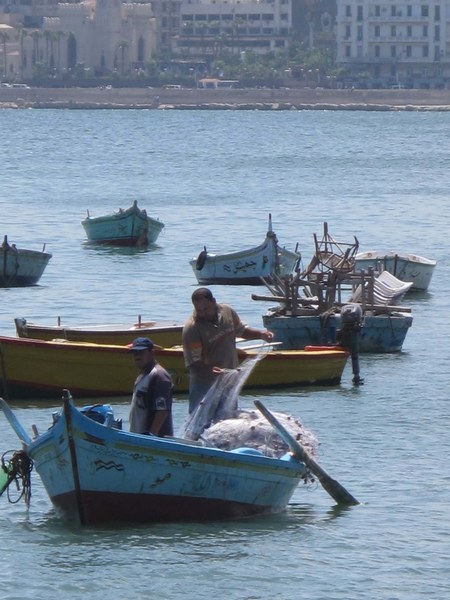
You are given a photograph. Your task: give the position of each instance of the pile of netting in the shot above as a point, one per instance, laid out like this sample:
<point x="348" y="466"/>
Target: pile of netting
<point x="219" y="422"/>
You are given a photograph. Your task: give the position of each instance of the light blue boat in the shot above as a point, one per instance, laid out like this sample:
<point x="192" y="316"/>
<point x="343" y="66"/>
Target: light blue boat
<point x="95" y="472"/>
<point x="380" y="333"/>
<point x="130" y="227"/>
<point x="20" y="267"/>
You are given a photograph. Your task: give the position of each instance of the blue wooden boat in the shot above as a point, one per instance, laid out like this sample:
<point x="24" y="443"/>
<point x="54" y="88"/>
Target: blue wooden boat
<point x="310" y="302"/>
<point x="95" y="472"/>
<point x="130" y="227"/>
<point x="20" y="267"/>
<point x="381" y="333"/>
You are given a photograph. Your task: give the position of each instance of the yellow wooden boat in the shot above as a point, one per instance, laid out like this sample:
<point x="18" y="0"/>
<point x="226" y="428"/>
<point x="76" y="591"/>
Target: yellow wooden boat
<point x="163" y="333"/>
<point x="41" y="369"/>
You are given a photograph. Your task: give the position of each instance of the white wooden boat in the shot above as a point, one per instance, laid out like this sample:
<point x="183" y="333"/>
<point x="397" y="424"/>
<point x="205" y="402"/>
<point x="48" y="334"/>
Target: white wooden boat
<point x="130" y="227"/>
<point x="406" y="267"/>
<point x="245" y="267"/>
<point x="20" y="267"/>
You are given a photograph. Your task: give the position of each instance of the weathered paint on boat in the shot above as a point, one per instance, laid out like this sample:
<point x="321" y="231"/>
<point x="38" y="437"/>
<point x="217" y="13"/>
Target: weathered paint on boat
<point x="130" y="227"/>
<point x="380" y="333"/>
<point x="245" y="267"/>
<point x="97" y="473"/>
<point x="406" y="267"/>
<point x="20" y="267"/>
<point x="91" y="370"/>
<point x="162" y="333"/>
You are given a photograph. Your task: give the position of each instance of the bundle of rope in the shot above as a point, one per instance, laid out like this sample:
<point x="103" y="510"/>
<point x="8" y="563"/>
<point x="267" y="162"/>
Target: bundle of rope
<point x="16" y="469"/>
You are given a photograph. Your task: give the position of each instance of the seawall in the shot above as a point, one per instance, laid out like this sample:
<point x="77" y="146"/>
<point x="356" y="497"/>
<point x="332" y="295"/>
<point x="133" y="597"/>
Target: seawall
<point x="238" y="99"/>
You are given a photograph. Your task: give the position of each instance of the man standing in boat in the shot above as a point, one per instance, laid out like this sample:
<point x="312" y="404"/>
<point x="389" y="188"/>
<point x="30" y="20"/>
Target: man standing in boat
<point x="151" y="405"/>
<point x="209" y="342"/>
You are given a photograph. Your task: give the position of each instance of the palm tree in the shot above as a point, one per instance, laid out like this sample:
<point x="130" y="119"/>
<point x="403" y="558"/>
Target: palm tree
<point x="4" y="37"/>
<point x="21" y="35"/>
<point x="36" y="35"/>
<point x="59" y="35"/>
<point x="123" y="45"/>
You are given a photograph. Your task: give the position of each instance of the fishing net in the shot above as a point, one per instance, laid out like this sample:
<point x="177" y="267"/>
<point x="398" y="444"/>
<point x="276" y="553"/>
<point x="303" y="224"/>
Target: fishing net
<point x="219" y="422"/>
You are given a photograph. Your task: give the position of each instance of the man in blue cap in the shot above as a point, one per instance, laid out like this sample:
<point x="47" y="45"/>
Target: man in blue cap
<point x="151" y="405"/>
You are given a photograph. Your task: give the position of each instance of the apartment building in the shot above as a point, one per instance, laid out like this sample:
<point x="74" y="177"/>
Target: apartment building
<point x="395" y="43"/>
<point x="210" y="26"/>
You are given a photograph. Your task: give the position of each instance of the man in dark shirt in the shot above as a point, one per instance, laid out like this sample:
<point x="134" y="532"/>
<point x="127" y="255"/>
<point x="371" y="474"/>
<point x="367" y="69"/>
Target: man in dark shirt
<point x="151" y="405"/>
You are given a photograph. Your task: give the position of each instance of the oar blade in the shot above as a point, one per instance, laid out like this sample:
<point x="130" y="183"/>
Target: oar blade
<point x="330" y="485"/>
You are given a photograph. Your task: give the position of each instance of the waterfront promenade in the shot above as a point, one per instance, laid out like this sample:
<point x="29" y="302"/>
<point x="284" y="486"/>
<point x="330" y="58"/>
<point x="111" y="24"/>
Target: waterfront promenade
<point x="229" y="99"/>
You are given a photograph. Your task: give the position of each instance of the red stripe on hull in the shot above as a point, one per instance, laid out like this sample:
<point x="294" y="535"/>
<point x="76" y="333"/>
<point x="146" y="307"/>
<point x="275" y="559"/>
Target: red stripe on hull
<point x="101" y="507"/>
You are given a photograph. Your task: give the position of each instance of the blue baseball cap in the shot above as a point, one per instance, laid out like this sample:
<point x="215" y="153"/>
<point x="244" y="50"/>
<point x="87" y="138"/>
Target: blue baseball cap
<point x="141" y="343"/>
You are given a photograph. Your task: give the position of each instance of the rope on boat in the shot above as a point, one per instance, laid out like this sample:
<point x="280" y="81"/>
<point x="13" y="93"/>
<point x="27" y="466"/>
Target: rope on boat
<point x="18" y="469"/>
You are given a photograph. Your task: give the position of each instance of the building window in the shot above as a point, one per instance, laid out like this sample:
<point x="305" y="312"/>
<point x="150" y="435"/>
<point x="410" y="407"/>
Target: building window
<point x="377" y="51"/>
<point x="360" y="32"/>
<point x="377" y="31"/>
<point x="348" y="32"/>
<point x="409" y="10"/>
<point x="437" y="53"/>
<point x="425" y="52"/>
<point x="393" y="51"/>
<point x="437" y="33"/>
<point x="424" y="10"/>
<point x="348" y="51"/>
<point x="348" y="10"/>
<point x="409" y="51"/>
<point x="377" y="10"/>
<point x="437" y="13"/>
<point x="409" y="31"/>
<point x="393" y="31"/>
<point x="393" y="11"/>
<point x="359" y="13"/>
<point x="425" y="31"/>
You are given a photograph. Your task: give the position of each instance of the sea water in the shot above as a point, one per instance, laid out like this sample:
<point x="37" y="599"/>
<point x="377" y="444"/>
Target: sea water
<point x="213" y="178"/>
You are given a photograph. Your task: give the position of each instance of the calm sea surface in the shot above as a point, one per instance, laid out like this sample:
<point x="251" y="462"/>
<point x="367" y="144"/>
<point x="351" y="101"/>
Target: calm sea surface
<point x="213" y="178"/>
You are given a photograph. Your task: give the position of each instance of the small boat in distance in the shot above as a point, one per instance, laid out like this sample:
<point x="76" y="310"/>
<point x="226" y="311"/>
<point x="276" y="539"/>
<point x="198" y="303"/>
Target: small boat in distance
<point x="94" y="370"/>
<point x="95" y="472"/>
<point x="245" y="267"/>
<point x="406" y="267"/>
<point x="20" y="267"/>
<point x="130" y="227"/>
<point x="162" y="333"/>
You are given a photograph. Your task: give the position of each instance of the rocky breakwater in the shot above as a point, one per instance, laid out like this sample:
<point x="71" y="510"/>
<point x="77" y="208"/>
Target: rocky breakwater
<point x="237" y="99"/>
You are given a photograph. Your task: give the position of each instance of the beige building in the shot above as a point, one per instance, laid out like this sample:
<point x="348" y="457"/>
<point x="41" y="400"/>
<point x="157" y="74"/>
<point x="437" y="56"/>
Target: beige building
<point x="395" y="43"/>
<point x="98" y="36"/>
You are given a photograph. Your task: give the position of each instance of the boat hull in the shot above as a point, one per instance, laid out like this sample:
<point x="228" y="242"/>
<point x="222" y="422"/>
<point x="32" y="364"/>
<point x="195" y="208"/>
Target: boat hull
<point x="380" y="333"/>
<point x="162" y="334"/>
<point x="131" y="227"/>
<point x="245" y="267"/>
<point x="406" y="267"/>
<point x="93" y="370"/>
<point x="96" y="474"/>
<point x="20" y="268"/>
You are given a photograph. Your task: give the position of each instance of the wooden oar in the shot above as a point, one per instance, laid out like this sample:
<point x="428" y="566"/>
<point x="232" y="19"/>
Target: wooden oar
<point x="330" y="485"/>
<point x="13" y="421"/>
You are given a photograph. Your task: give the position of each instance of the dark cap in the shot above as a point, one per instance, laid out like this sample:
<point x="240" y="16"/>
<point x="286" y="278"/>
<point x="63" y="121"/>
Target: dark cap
<point x="141" y="343"/>
<point x="203" y="293"/>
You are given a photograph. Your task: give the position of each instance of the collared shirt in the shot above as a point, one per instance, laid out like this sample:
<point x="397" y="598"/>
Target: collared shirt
<point x="213" y="342"/>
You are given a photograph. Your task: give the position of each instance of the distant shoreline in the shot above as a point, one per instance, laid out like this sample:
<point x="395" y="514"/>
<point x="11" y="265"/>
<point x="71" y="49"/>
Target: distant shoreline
<point x="229" y="99"/>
